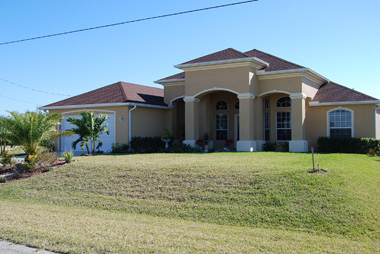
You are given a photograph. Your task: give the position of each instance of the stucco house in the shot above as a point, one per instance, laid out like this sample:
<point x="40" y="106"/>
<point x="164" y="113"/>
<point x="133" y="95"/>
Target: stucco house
<point x="251" y="97"/>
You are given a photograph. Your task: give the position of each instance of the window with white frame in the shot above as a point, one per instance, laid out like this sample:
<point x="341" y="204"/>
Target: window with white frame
<point x="266" y="126"/>
<point x="221" y="126"/>
<point x="284" y="126"/>
<point x="266" y="103"/>
<point x="221" y="105"/>
<point x="284" y="102"/>
<point x="340" y="123"/>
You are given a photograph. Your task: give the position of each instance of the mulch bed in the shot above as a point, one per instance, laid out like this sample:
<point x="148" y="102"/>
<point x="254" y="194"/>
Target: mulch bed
<point x="55" y="165"/>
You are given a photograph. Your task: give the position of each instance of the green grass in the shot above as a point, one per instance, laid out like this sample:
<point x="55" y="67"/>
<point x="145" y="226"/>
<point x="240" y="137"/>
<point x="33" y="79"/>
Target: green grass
<point x="267" y="202"/>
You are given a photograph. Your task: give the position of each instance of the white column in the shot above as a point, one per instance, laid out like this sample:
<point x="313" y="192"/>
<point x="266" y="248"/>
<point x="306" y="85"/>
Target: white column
<point x="298" y="144"/>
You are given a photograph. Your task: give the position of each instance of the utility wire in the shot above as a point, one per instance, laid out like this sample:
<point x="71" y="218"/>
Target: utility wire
<point x="33" y="89"/>
<point x="19" y="100"/>
<point x="128" y="22"/>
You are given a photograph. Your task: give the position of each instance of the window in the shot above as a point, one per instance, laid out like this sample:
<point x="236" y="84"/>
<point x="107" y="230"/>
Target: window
<point x="340" y="123"/>
<point x="237" y="105"/>
<point x="221" y="126"/>
<point x="284" y="126"/>
<point x="266" y="104"/>
<point x="266" y="126"/>
<point x="284" y="102"/>
<point x="221" y="105"/>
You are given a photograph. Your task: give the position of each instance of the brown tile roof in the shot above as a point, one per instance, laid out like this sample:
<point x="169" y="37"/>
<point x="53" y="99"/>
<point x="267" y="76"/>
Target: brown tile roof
<point x="180" y="75"/>
<point x="226" y="54"/>
<point x="333" y="92"/>
<point x="117" y="93"/>
<point x="275" y="63"/>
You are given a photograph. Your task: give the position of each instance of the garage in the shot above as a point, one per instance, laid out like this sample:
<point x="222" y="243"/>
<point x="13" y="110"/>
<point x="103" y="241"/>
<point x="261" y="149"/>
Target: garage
<point x="108" y="140"/>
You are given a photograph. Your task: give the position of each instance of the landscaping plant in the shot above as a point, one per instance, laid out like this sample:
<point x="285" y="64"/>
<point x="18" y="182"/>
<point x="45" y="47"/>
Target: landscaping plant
<point x="30" y="129"/>
<point x="89" y="128"/>
<point x="68" y="156"/>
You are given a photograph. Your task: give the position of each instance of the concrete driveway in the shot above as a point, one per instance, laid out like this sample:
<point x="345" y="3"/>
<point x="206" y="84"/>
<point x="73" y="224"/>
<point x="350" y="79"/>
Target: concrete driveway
<point x="11" y="248"/>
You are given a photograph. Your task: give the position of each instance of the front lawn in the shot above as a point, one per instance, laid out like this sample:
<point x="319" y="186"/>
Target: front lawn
<point x="251" y="202"/>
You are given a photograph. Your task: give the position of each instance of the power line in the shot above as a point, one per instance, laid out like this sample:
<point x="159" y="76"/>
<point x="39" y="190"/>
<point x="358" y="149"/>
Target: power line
<point x="128" y="22"/>
<point x="19" y="100"/>
<point x="33" y="89"/>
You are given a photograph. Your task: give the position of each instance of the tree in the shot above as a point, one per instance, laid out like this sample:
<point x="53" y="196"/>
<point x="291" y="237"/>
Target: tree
<point x="89" y="128"/>
<point x="3" y="138"/>
<point x="30" y="129"/>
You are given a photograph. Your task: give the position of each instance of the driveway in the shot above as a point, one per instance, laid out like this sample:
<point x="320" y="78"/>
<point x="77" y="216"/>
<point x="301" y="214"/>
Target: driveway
<point x="11" y="248"/>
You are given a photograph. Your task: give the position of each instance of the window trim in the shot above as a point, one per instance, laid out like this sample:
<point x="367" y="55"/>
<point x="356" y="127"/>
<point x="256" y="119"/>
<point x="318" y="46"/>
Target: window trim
<point x="216" y="105"/>
<point x="216" y="127"/>
<point x="291" y="128"/>
<point x="340" y="108"/>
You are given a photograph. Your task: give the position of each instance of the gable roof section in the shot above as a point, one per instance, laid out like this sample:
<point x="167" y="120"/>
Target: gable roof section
<point x="333" y="92"/>
<point x="226" y="54"/>
<point x="120" y="92"/>
<point x="275" y="63"/>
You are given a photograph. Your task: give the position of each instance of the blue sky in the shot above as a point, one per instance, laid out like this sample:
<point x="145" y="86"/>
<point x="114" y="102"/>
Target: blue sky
<point x="338" y="39"/>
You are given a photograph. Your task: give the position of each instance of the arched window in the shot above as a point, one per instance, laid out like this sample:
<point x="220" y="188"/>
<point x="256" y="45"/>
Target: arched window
<point x="221" y="105"/>
<point x="266" y="103"/>
<point x="340" y="123"/>
<point x="284" y="102"/>
<point x="237" y="105"/>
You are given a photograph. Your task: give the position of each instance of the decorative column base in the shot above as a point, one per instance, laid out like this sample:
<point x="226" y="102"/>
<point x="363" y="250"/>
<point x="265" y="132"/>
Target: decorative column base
<point x="246" y="146"/>
<point x="259" y="145"/>
<point x="298" y="146"/>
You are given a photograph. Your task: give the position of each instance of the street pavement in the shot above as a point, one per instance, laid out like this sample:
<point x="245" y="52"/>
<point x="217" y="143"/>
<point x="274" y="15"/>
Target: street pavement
<point x="11" y="248"/>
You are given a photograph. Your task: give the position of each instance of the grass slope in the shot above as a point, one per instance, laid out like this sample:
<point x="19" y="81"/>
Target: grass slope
<point x="260" y="190"/>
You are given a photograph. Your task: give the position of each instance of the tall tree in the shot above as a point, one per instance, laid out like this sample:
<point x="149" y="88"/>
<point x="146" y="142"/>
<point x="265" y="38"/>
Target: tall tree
<point x="29" y="129"/>
<point x="89" y="128"/>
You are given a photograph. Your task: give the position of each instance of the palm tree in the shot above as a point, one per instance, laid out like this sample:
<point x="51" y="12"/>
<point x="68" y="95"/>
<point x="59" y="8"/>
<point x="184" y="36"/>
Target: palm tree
<point x="30" y="129"/>
<point x="89" y="128"/>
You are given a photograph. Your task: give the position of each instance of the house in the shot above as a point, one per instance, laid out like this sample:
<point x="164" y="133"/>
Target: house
<point x="251" y="97"/>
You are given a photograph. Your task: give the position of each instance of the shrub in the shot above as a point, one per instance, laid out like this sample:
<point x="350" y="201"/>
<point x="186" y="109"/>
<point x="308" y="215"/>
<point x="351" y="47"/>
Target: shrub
<point x="183" y="148"/>
<point x="68" y="156"/>
<point x="40" y="160"/>
<point x="147" y="144"/>
<point x="199" y="142"/>
<point x="284" y="146"/>
<point x="6" y="158"/>
<point x="347" y="145"/>
<point x="3" y="179"/>
<point x="270" y="146"/>
<point x="120" y="148"/>
<point x="228" y="142"/>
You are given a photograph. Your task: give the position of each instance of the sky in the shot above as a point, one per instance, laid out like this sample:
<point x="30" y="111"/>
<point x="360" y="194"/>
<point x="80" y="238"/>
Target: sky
<point x="338" y="39"/>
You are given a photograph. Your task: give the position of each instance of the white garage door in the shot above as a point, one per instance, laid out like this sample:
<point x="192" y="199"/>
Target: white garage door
<point x="108" y="140"/>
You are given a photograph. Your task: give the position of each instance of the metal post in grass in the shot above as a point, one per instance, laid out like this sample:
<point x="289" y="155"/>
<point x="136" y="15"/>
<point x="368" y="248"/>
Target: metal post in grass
<point x="312" y="152"/>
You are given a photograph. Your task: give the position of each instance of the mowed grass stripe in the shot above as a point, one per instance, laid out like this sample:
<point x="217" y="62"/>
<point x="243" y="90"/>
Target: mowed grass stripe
<point x="81" y="230"/>
<point x="267" y="190"/>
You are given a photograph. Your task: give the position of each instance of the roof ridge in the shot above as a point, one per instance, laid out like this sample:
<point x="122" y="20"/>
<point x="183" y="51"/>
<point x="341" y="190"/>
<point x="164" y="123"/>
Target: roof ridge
<point x="123" y="92"/>
<point x="352" y="90"/>
<point x="274" y="57"/>
<point x="238" y="51"/>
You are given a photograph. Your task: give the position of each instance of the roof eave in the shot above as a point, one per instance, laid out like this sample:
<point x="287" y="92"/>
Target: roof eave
<point x="168" y="81"/>
<point x="101" y="105"/>
<point x="305" y="72"/>
<point x="260" y="63"/>
<point x="317" y="103"/>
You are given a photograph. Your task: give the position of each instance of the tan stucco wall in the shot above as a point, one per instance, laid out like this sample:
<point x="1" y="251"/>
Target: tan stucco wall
<point x="237" y="79"/>
<point x="149" y="122"/>
<point x="317" y="121"/>
<point x="310" y="88"/>
<point x="173" y="90"/>
<point x="290" y="85"/>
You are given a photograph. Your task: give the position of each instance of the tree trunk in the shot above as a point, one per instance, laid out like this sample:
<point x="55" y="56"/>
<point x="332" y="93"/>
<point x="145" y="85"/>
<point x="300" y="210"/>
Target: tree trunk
<point x="88" y="151"/>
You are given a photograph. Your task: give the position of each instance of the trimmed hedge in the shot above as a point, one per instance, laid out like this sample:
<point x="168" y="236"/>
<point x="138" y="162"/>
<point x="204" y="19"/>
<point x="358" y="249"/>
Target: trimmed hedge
<point x="347" y="145"/>
<point x="147" y="144"/>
